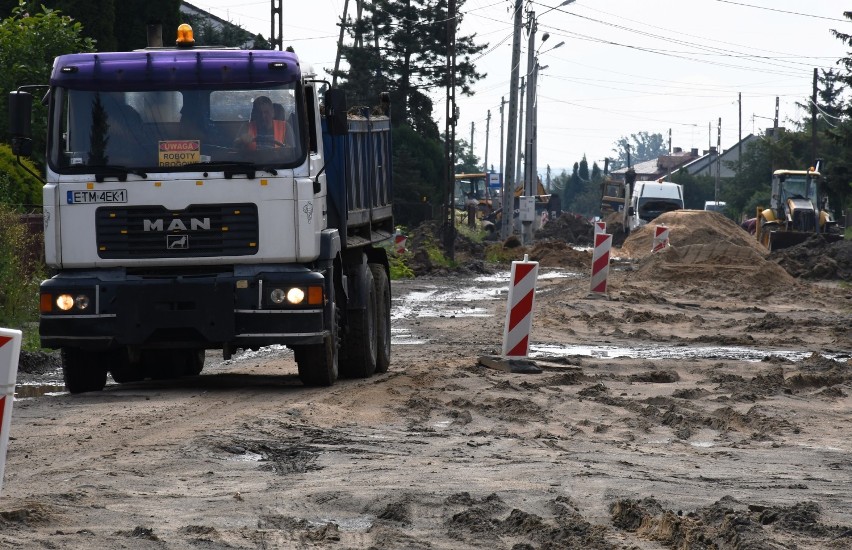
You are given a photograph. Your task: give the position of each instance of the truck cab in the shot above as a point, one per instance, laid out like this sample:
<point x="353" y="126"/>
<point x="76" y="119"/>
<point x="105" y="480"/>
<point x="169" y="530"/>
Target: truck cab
<point x="208" y="198"/>
<point x="650" y="199"/>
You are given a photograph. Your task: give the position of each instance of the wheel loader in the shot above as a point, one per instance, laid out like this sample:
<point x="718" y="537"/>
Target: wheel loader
<point x="796" y="211"/>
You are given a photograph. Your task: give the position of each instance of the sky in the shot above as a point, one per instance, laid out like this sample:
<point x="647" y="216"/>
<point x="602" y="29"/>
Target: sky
<point x="626" y="66"/>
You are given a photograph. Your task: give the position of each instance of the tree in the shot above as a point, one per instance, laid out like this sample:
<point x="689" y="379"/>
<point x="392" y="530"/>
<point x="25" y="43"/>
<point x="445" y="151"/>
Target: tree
<point x="230" y="35"/>
<point x="466" y="161"/>
<point x="643" y="146"/>
<point x="132" y="17"/>
<point x="401" y="47"/>
<point x="28" y="45"/>
<point x="96" y="16"/>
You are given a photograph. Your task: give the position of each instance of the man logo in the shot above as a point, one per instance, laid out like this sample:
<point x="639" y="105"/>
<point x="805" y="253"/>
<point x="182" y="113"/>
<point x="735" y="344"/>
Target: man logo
<point x="177" y="242"/>
<point x="195" y="224"/>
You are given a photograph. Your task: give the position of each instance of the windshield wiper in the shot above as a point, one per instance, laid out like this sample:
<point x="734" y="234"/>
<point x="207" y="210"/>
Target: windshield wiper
<point x="114" y="170"/>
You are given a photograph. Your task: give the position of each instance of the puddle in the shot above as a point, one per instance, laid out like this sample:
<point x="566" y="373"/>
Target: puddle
<point x="26" y="391"/>
<point x="435" y="301"/>
<point x="247" y="456"/>
<point x="669" y="352"/>
<point x="351" y="525"/>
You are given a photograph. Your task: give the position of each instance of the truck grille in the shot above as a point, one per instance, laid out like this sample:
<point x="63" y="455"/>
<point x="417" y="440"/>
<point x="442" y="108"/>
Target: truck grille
<point x="156" y="232"/>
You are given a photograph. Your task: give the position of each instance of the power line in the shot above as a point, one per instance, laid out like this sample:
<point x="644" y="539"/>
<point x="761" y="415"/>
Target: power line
<point x="784" y="11"/>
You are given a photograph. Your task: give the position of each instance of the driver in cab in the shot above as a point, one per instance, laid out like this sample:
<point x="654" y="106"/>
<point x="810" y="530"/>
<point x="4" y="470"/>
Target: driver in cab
<point x="264" y="131"/>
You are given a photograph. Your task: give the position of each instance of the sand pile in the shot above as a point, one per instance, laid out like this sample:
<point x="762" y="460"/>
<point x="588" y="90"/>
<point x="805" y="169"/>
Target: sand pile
<point x="690" y="227"/>
<point x="707" y="250"/>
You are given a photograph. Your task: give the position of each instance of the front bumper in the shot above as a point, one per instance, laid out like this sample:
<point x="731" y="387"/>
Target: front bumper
<point x="210" y="311"/>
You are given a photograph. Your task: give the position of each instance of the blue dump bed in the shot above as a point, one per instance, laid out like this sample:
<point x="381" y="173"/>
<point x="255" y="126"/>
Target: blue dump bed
<point x="358" y="168"/>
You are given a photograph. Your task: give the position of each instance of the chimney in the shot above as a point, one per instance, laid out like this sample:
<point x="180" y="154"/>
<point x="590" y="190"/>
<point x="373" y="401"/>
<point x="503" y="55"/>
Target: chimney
<point x="694" y="152"/>
<point x="677" y="150"/>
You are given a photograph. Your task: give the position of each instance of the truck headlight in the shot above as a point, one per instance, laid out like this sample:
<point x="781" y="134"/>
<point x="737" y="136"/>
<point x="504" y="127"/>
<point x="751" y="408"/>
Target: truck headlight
<point x="295" y="296"/>
<point x="65" y="302"/>
<point x="277" y="296"/>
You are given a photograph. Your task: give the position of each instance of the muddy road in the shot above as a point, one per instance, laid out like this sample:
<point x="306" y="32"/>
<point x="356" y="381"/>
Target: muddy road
<point x="690" y="415"/>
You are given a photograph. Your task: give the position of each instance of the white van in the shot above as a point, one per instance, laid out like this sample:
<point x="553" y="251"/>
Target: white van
<point x="715" y="206"/>
<point x="650" y="199"/>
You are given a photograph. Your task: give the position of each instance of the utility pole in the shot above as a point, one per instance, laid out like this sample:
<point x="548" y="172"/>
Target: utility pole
<point x="472" y="127"/>
<point x="519" y="172"/>
<point x="504" y="197"/>
<point x="339" y="44"/>
<point x="487" y="137"/>
<point x="531" y="62"/>
<point x="450" y="135"/>
<point x="509" y="170"/>
<point x="276" y="18"/>
<point x="718" y="158"/>
<point x="814" y="121"/>
<point x="740" y="137"/>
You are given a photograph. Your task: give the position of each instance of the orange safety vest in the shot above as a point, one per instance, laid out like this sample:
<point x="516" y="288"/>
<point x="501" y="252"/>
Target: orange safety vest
<point x="279" y="128"/>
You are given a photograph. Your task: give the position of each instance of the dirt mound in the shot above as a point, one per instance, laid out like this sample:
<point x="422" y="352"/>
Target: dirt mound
<point x="817" y="258"/>
<point x="719" y="264"/>
<point x="690" y="227"/>
<point x="707" y="250"/>
<point x="569" y="228"/>
<point x="559" y="254"/>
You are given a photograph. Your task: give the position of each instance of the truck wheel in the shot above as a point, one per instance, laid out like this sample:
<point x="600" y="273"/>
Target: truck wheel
<point x="194" y="362"/>
<point x="123" y="370"/>
<point x="360" y="342"/>
<point x="383" y="328"/>
<point x="83" y="371"/>
<point x="318" y="363"/>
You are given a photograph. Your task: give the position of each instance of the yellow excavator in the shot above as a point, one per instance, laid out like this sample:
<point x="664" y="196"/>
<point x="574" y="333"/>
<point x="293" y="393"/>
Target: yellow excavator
<point x="796" y="211"/>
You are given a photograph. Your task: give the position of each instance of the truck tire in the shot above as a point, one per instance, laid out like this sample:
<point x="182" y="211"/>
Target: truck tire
<point x="359" y="344"/>
<point x="383" y="328"/>
<point x="318" y="364"/>
<point x="123" y="370"/>
<point x="194" y="362"/>
<point x="83" y="371"/>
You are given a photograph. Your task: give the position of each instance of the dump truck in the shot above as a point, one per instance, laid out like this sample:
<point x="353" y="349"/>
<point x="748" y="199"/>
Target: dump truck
<point x="797" y="210"/>
<point x="203" y="199"/>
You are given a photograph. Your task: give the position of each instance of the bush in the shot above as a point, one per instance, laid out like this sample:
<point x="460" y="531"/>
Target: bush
<point x="20" y="271"/>
<point x="18" y="188"/>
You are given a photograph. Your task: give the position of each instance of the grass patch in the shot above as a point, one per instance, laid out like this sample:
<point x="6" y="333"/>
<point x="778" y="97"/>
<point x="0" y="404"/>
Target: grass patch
<point x="20" y="275"/>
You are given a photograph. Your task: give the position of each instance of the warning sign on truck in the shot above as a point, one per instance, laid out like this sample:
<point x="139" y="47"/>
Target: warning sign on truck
<point x="178" y="152"/>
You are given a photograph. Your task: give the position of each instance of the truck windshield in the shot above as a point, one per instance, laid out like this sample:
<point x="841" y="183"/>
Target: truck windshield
<point x="796" y="186"/>
<point x="175" y="130"/>
<point x="652" y="207"/>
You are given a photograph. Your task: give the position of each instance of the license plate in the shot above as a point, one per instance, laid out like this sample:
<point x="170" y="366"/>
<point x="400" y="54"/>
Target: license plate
<point x="97" y="197"/>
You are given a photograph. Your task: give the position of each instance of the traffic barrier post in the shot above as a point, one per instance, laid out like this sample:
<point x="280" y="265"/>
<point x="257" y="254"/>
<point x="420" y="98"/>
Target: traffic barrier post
<point x="600" y="227"/>
<point x="600" y="263"/>
<point x="661" y="238"/>
<point x="399" y="242"/>
<point x="519" y="313"/>
<point x="10" y="350"/>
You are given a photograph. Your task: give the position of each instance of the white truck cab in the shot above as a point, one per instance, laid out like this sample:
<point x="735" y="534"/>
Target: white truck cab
<point x="650" y="199"/>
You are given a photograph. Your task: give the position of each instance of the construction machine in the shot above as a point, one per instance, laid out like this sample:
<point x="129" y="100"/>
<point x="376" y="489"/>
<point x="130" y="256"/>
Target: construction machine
<point x="796" y="211"/>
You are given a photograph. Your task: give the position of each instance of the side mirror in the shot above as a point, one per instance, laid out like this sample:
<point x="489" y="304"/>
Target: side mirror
<point x="631" y="211"/>
<point x="20" y="122"/>
<point x="335" y="112"/>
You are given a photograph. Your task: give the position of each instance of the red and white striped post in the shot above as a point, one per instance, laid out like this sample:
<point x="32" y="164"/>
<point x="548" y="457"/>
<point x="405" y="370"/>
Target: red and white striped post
<point x="519" y="313"/>
<point x="600" y="227"/>
<point x="10" y="350"/>
<point x="600" y="262"/>
<point x="399" y="241"/>
<point x="661" y="238"/>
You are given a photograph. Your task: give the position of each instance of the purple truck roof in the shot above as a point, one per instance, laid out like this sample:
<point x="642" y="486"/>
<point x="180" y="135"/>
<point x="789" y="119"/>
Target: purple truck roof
<point x="172" y="69"/>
